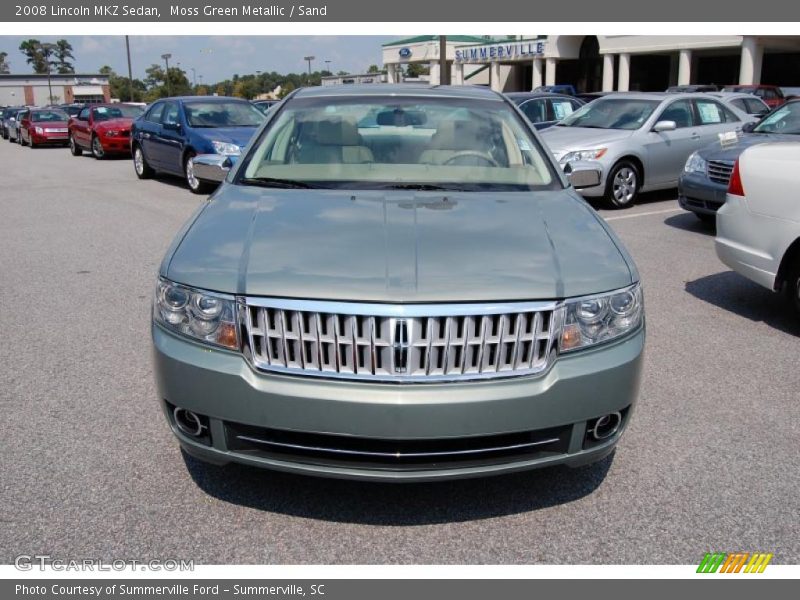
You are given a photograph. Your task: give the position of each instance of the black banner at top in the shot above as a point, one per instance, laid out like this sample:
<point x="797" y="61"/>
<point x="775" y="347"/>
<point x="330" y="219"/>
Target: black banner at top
<point x="383" y="11"/>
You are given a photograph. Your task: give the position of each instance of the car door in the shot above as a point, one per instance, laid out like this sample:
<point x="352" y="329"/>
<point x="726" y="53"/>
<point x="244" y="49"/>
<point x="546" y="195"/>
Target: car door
<point x="713" y="119"/>
<point x="667" y="151"/>
<point x="535" y="110"/>
<point x="80" y="128"/>
<point x="25" y="128"/>
<point x="170" y="138"/>
<point x="147" y="129"/>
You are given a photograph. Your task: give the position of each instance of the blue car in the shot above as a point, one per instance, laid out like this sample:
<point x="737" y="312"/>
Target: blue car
<point x="167" y="137"/>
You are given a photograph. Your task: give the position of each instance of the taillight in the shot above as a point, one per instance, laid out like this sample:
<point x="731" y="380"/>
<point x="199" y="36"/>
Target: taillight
<point x="735" y="184"/>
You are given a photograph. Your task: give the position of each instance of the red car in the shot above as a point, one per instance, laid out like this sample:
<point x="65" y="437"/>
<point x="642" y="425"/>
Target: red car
<point x="772" y="95"/>
<point x="102" y="129"/>
<point x="43" y="126"/>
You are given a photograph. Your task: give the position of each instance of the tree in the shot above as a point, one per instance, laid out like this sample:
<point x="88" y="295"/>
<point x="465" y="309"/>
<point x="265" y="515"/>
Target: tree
<point x="417" y="69"/>
<point x="34" y="56"/>
<point x="374" y="69"/>
<point x="63" y="57"/>
<point x="121" y="88"/>
<point x="4" y="66"/>
<point x="286" y="89"/>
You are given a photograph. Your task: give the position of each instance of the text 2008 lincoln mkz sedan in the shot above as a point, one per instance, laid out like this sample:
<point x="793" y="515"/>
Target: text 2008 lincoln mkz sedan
<point x="398" y="283"/>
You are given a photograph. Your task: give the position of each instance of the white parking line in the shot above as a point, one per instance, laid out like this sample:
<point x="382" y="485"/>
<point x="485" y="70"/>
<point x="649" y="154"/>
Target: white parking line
<point x="645" y="214"/>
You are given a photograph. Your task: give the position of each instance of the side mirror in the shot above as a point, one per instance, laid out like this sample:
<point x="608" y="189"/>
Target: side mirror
<point x="172" y="126"/>
<point x="213" y="167"/>
<point x="748" y="127"/>
<point x="665" y="126"/>
<point x="582" y="175"/>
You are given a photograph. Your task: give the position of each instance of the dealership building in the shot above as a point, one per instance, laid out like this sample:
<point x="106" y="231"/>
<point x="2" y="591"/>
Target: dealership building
<point x="36" y="90"/>
<point x="601" y="63"/>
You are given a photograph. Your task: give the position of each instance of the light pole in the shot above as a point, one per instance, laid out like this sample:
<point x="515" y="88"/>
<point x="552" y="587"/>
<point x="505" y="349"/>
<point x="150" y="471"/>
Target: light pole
<point x="130" y="71"/>
<point x="166" y="58"/>
<point x="309" y="59"/>
<point x="328" y="66"/>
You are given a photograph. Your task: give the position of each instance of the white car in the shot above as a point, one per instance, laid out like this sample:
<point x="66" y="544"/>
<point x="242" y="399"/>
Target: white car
<point x="758" y="227"/>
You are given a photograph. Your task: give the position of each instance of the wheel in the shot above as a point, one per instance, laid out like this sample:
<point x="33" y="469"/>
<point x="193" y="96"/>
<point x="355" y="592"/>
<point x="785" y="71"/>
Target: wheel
<point x="97" y="148"/>
<point x="20" y="141"/>
<point x="74" y="148"/>
<point x="792" y="287"/>
<point x="622" y="185"/>
<point x="143" y="170"/>
<point x="31" y="144"/>
<point x="197" y="186"/>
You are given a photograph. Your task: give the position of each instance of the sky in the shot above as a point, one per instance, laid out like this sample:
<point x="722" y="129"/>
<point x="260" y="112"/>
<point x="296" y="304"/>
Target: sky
<point x="214" y="57"/>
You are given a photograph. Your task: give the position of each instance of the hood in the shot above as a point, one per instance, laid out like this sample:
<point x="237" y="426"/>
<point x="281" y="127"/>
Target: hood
<point x="49" y="124"/>
<point x="563" y="139"/>
<point x="376" y="246"/>
<point x="121" y="123"/>
<point x="231" y="135"/>
<point x="717" y="151"/>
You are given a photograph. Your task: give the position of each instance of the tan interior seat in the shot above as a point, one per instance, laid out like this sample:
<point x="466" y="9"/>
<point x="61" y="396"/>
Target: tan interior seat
<point x="451" y="138"/>
<point x="332" y="141"/>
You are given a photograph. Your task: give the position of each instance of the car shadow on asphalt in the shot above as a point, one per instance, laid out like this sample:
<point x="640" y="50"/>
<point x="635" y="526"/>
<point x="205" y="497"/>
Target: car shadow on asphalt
<point x="688" y="222"/>
<point x="732" y="292"/>
<point x="371" y="503"/>
<point x="644" y="199"/>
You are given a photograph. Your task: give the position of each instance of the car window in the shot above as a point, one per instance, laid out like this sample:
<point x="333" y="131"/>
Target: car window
<point x="154" y="114"/>
<point x="48" y="116"/>
<point x="679" y="111"/>
<point x="740" y="104"/>
<point x="535" y="110"/>
<point x="223" y="114"/>
<point x="756" y="107"/>
<point x="710" y="112"/>
<point x="170" y="114"/>
<point x="450" y="143"/>
<point x="612" y="113"/>
<point x="770" y="94"/>
<point x="106" y="113"/>
<point x="83" y="115"/>
<point x="562" y="107"/>
<point x="785" y="119"/>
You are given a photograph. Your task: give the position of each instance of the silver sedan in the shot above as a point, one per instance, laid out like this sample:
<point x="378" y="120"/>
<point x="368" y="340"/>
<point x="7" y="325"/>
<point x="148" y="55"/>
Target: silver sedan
<point x="640" y="140"/>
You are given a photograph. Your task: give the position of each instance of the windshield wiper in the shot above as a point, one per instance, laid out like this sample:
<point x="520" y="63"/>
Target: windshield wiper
<point x="426" y="187"/>
<point x="276" y="182"/>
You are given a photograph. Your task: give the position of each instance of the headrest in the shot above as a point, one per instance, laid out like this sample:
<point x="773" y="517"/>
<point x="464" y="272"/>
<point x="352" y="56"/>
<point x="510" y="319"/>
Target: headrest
<point x="336" y="132"/>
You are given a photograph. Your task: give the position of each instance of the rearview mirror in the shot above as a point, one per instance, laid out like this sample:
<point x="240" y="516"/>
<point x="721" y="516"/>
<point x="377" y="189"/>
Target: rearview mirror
<point x="213" y="167"/>
<point x="582" y="175"/>
<point x="665" y="126"/>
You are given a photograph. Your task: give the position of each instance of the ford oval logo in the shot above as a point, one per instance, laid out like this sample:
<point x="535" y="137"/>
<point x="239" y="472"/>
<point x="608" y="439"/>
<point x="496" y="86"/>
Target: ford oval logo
<point x="405" y="52"/>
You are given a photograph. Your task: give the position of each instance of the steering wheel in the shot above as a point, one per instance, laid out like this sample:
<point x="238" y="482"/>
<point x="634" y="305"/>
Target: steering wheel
<point x="473" y="154"/>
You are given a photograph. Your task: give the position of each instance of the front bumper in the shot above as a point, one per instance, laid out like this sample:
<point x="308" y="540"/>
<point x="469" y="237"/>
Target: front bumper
<point x="49" y="138"/>
<point x="115" y="145"/>
<point x="224" y="388"/>
<point x="698" y="194"/>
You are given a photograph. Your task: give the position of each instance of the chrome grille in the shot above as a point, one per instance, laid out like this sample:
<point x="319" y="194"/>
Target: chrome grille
<point x="399" y="342"/>
<point x="720" y="171"/>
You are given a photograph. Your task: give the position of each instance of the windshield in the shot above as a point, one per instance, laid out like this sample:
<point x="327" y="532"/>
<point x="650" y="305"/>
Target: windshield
<point x="48" y="116"/>
<point x="786" y="119"/>
<point x="121" y="111"/>
<point x="398" y="143"/>
<point x="612" y="113"/>
<point x="223" y="114"/>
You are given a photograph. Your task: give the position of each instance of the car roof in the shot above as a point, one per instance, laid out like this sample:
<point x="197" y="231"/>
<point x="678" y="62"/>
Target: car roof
<point x="528" y="95"/>
<point x="400" y="89"/>
<point x="202" y="99"/>
<point x="660" y="96"/>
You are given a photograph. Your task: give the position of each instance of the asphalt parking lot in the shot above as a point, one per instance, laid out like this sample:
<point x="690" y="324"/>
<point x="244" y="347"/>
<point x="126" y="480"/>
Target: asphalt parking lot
<point x="90" y="469"/>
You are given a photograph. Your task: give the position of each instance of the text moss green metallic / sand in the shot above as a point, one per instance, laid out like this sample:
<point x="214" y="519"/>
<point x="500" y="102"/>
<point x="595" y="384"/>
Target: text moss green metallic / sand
<point x="397" y="283"/>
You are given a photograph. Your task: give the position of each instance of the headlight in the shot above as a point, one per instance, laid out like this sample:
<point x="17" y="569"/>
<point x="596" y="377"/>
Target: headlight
<point x="695" y="164"/>
<point x="582" y="155"/>
<point x="596" y="319"/>
<point x="204" y="316"/>
<point x="226" y="149"/>
<point x="39" y="130"/>
<point x="111" y="133"/>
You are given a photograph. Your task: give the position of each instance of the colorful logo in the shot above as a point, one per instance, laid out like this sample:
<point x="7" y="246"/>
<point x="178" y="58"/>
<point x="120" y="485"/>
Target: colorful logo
<point x="734" y="562"/>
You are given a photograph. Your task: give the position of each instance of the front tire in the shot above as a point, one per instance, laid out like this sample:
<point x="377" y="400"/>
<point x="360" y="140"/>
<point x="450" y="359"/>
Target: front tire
<point x="20" y="141"/>
<point x="197" y="186"/>
<point x="74" y="149"/>
<point x="97" y="148"/>
<point x="622" y="186"/>
<point x="140" y="166"/>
